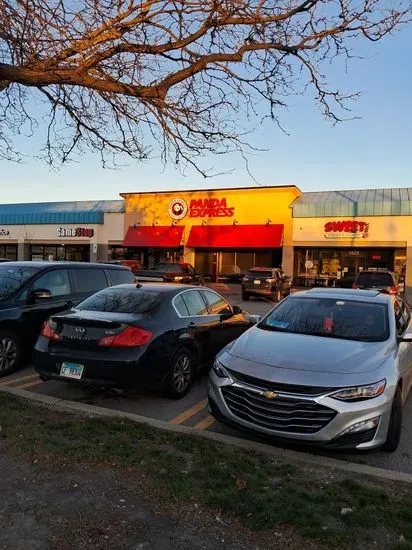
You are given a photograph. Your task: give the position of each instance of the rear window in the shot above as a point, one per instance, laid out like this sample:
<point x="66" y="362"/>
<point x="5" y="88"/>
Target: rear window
<point x="375" y="279"/>
<point x="121" y="300"/>
<point x="264" y="274"/>
<point x="121" y="276"/>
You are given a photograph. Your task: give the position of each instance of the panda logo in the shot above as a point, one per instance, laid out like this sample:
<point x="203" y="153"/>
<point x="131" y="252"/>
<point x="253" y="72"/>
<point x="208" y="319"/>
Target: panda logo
<point x="177" y="209"/>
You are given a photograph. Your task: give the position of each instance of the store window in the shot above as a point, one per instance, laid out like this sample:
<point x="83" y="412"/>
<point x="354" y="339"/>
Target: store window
<point x="73" y="253"/>
<point x="9" y="252"/>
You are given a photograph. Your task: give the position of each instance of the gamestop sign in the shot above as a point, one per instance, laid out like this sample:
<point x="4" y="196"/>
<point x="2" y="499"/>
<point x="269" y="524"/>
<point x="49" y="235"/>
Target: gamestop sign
<point x="84" y="232"/>
<point x="346" y="229"/>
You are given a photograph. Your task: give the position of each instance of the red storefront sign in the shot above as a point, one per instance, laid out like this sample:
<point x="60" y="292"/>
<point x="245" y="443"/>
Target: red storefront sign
<point x="210" y="208"/>
<point x="346" y="229"/>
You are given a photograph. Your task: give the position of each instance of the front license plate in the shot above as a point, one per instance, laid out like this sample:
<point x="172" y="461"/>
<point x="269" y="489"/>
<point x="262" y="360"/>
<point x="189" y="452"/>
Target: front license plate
<point x="71" y="370"/>
<point x="257" y="282"/>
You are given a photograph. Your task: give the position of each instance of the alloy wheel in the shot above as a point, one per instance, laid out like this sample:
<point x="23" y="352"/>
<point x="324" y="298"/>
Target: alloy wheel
<point x="182" y="372"/>
<point x="8" y="354"/>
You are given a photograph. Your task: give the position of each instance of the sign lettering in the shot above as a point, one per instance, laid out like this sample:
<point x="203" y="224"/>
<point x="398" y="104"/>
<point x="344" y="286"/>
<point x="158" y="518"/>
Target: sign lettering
<point x="211" y="208"/>
<point x="75" y="232"/>
<point x="346" y="229"/>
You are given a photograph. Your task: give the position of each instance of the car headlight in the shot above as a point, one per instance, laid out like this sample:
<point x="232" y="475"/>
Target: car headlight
<point x="220" y="370"/>
<point x="358" y="393"/>
<point x="178" y="278"/>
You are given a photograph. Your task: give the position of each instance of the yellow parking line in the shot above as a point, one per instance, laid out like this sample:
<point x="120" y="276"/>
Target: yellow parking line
<point x="205" y="423"/>
<point x="15" y="380"/>
<point x="185" y="415"/>
<point x="30" y="384"/>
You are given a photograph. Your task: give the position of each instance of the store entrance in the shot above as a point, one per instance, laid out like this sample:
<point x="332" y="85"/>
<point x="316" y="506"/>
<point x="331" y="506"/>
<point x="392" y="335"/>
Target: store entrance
<point x="150" y="257"/>
<point x="63" y="253"/>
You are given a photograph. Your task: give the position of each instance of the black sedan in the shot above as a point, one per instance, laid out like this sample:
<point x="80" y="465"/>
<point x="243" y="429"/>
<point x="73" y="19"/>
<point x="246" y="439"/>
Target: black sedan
<point x="128" y="336"/>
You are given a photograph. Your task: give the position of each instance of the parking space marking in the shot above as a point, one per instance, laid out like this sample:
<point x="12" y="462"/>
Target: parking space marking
<point x="15" y="380"/>
<point x="30" y="384"/>
<point x="205" y="423"/>
<point x="188" y="413"/>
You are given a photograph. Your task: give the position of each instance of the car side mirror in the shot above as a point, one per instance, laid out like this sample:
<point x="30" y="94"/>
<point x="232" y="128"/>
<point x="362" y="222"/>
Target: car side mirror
<point x="256" y="318"/>
<point x="236" y="310"/>
<point x="41" y="294"/>
<point x="406" y="337"/>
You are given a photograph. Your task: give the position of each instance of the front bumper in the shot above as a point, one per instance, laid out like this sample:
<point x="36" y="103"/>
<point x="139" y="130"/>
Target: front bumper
<point x="338" y="415"/>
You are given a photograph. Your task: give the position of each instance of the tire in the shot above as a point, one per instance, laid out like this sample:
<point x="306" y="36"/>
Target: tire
<point x="245" y="297"/>
<point x="183" y="362"/>
<point x="277" y="296"/>
<point x="395" y="424"/>
<point x="11" y="352"/>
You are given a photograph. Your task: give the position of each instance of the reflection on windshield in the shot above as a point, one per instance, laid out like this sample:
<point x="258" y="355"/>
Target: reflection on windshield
<point x="11" y="279"/>
<point x="121" y="300"/>
<point x="329" y="317"/>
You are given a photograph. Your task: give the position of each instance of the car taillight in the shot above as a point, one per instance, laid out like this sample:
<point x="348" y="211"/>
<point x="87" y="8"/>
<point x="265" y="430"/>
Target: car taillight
<point x="393" y="290"/>
<point x="48" y="332"/>
<point x="355" y="285"/>
<point x="129" y="337"/>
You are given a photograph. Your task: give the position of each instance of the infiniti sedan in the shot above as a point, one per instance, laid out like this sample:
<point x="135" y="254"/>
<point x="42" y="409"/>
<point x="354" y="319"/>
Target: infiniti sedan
<point x="133" y="335"/>
<point x="326" y="366"/>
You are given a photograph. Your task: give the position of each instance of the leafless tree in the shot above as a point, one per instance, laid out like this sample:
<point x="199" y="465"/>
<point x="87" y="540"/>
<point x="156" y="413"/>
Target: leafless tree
<point x="128" y="76"/>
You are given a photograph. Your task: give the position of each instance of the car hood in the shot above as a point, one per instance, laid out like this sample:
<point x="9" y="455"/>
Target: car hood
<point x="301" y="352"/>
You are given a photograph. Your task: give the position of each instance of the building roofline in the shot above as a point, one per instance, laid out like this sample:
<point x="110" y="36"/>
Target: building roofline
<point x="217" y="189"/>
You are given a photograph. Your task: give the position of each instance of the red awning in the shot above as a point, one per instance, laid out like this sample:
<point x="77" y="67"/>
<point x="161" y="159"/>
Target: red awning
<point x="155" y="237"/>
<point x="237" y="236"/>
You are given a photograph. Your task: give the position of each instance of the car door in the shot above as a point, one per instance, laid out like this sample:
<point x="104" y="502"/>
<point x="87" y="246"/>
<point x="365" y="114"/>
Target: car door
<point x="202" y="326"/>
<point x="37" y="310"/>
<point x="403" y="323"/>
<point x="86" y="281"/>
<point x="231" y="324"/>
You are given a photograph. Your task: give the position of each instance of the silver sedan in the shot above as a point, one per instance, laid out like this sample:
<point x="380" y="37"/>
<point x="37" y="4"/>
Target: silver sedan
<point x="326" y="366"/>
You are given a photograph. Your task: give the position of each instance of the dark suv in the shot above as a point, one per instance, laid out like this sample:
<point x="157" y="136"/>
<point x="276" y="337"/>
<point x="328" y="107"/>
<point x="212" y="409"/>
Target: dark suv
<point x="379" y="279"/>
<point x="265" y="281"/>
<point x="32" y="291"/>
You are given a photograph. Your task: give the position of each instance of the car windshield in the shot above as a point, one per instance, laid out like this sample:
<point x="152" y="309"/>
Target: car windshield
<point x="330" y="317"/>
<point x="12" y="278"/>
<point x="374" y="279"/>
<point x="121" y="300"/>
<point x="174" y="268"/>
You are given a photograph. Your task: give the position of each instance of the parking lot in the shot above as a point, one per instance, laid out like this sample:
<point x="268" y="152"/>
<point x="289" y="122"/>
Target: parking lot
<point x="192" y="410"/>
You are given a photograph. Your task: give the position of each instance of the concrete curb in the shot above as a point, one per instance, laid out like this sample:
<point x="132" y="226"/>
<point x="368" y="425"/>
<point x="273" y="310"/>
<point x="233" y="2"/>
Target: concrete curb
<point x="285" y="455"/>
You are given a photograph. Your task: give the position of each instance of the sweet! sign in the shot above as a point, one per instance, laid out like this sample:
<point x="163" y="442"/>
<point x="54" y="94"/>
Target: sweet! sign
<point x="346" y="229"/>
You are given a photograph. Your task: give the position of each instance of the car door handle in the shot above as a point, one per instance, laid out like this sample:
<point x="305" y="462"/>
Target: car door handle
<point x="192" y="324"/>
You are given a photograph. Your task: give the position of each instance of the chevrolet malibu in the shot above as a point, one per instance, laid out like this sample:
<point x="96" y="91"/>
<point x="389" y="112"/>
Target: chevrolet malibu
<point x="128" y="336"/>
<point x="326" y="366"/>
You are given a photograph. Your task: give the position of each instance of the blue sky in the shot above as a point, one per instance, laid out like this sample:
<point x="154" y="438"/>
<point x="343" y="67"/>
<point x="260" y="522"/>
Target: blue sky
<point x="374" y="151"/>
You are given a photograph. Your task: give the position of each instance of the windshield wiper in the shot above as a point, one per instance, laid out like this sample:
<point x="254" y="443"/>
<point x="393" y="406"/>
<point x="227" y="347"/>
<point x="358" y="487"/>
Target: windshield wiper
<point x="274" y="329"/>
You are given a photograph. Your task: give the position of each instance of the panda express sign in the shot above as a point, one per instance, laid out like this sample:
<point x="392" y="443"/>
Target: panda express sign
<point x="201" y="208"/>
<point x="346" y="229"/>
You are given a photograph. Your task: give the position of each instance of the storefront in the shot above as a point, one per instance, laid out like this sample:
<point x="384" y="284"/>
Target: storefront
<point x="331" y="242"/>
<point x="69" y="231"/>
<point x="222" y="232"/>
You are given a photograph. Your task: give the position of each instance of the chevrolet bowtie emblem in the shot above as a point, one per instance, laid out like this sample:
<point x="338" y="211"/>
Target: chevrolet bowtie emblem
<point x="269" y="395"/>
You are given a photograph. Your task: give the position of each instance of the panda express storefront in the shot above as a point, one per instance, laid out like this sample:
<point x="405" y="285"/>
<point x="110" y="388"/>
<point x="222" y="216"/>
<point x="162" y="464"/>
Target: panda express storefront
<point x="221" y="232"/>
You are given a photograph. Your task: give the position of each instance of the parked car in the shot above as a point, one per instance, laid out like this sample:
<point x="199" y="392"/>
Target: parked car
<point x="129" y="336"/>
<point x="346" y="281"/>
<point x="380" y="279"/>
<point x="325" y="366"/>
<point x="32" y="291"/>
<point x="266" y="281"/>
<point x="171" y="273"/>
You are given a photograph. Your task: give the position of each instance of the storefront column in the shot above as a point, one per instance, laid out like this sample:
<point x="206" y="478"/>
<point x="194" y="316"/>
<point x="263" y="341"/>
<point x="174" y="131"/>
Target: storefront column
<point x="189" y="256"/>
<point x="21" y="256"/>
<point x="287" y="260"/>
<point x="408" y="276"/>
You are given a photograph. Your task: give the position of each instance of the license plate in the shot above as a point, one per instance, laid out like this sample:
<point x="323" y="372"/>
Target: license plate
<point x="257" y="282"/>
<point x="71" y="370"/>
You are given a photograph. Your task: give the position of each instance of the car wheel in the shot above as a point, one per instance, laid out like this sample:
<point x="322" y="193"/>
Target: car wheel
<point x="181" y="374"/>
<point x="11" y="353"/>
<point x="395" y="424"/>
<point x="277" y="296"/>
<point x="245" y="297"/>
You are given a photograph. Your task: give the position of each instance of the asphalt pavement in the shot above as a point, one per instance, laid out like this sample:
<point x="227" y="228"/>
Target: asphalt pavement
<point x="192" y="410"/>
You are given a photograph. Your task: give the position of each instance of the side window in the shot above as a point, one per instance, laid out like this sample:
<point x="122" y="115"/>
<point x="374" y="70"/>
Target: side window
<point x="120" y="276"/>
<point x="180" y="306"/>
<point x="57" y="282"/>
<point x="194" y="303"/>
<point x="190" y="270"/>
<point x="88" y="281"/>
<point x="401" y="322"/>
<point x="217" y="305"/>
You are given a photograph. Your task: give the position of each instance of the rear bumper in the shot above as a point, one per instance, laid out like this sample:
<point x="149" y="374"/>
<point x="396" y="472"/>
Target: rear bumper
<point x="141" y="372"/>
<point x="258" y="291"/>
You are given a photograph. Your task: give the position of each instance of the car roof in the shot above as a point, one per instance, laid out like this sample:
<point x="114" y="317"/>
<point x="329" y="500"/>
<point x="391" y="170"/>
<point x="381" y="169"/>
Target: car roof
<point x="46" y="264"/>
<point x="346" y="294"/>
<point x="166" y="288"/>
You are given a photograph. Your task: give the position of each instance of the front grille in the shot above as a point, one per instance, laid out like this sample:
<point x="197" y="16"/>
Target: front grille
<point x="282" y="414"/>
<point x="351" y="440"/>
<point x="280" y="388"/>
